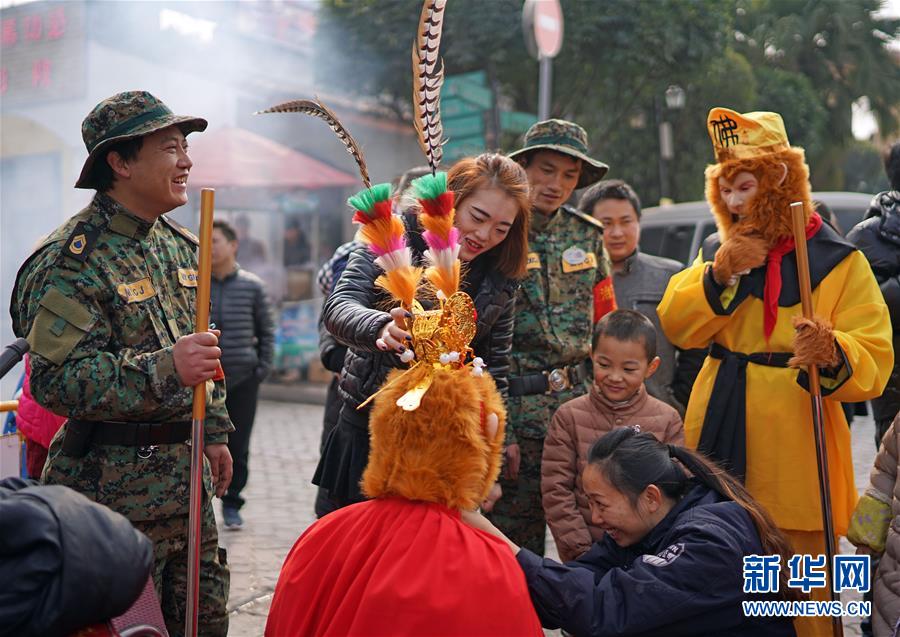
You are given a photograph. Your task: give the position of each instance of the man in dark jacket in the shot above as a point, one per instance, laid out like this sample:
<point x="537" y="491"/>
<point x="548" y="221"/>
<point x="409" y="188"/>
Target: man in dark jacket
<point x="242" y="312"/>
<point x="878" y="237"/>
<point x="639" y="279"/>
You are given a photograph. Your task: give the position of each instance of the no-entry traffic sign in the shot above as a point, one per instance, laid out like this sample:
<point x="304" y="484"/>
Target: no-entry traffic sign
<point x="542" y="23"/>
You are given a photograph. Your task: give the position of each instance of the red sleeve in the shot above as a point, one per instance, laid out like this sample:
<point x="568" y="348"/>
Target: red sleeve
<point x="604" y="298"/>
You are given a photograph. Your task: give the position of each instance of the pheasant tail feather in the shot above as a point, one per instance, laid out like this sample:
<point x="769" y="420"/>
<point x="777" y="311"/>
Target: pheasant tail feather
<point x="318" y="109"/>
<point x="427" y="81"/>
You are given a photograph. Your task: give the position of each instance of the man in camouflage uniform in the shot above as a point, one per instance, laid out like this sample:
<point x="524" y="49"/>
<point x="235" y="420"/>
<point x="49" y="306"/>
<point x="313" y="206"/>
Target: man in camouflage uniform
<point x="568" y="288"/>
<point x="107" y="303"/>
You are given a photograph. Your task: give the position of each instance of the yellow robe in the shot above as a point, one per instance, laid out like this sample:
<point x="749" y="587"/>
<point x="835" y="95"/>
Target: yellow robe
<point x="781" y="457"/>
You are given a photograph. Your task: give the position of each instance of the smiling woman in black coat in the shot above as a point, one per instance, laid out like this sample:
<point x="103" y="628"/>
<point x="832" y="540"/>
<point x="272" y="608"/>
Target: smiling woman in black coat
<point x="492" y="215"/>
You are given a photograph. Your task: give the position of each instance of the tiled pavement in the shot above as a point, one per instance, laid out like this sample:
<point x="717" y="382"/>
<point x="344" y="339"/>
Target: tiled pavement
<point x="284" y="452"/>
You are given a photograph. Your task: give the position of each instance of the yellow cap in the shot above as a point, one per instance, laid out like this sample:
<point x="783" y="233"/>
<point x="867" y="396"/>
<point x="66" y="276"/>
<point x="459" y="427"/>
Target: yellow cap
<point x="737" y="136"/>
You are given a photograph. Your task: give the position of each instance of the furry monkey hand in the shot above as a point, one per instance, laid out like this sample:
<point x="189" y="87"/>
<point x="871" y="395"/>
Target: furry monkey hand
<point x="814" y="343"/>
<point x="737" y="254"/>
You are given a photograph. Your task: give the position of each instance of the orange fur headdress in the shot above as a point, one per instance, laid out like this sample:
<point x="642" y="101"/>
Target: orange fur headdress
<point x="444" y="451"/>
<point x="756" y="143"/>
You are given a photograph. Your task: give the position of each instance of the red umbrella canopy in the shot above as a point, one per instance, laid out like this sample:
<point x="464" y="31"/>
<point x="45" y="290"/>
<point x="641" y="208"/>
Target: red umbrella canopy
<point x="236" y="158"/>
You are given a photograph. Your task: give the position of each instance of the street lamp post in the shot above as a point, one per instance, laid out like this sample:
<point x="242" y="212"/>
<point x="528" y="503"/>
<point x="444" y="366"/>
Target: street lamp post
<point x="674" y="98"/>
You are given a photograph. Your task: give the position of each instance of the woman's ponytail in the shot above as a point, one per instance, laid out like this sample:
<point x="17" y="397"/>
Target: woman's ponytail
<point x="773" y="541"/>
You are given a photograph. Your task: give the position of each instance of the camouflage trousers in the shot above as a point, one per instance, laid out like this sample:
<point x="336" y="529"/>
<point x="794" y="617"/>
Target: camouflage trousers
<point x="170" y="552"/>
<point x="519" y="513"/>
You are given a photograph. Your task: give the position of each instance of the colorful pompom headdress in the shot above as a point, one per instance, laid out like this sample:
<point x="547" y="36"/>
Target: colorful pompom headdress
<point x="385" y="236"/>
<point x="440" y="336"/>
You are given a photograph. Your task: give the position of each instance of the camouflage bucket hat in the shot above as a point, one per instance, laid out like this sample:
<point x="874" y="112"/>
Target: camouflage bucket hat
<point x="126" y="116"/>
<point x="567" y="138"/>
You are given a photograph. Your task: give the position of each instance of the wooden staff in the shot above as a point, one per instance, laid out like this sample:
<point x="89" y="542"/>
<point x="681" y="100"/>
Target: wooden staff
<point x="207" y="203"/>
<point x="9" y="405"/>
<point x="798" y="220"/>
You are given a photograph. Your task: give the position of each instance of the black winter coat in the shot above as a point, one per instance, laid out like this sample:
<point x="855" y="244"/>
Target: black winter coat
<point x="349" y="317"/>
<point x="242" y="311"/>
<point x="878" y="237"/>
<point x="684" y="578"/>
<point x="65" y="562"/>
<point x="332" y="354"/>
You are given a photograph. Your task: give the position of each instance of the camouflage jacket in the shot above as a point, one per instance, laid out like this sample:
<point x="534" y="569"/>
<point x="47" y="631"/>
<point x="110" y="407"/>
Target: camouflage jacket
<point x="102" y="302"/>
<point x="555" y="309"/>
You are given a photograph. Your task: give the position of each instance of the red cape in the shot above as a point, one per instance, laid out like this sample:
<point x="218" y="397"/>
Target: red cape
<point x="395" y="567"/>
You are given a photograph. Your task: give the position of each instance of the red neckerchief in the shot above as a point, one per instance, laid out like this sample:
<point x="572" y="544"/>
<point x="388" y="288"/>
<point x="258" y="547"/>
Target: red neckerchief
<point x="773" y="274"/>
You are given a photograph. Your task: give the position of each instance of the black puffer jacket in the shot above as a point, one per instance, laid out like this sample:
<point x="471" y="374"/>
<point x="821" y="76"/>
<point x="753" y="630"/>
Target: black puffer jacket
<point x="65" y="562"/>
<point x="241" y="310"/>
<point x="878" y="237"/>
<point x="332" y="353"/>
<point x="349" y="317"/>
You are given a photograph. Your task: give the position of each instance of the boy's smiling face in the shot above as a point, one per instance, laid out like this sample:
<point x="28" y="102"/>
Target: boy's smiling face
<point x="620" y="367"/>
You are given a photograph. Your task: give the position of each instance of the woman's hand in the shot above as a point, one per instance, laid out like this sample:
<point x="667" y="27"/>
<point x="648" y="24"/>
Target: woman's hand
<point x="394" y="335"/>
<point x="513" y="461"/>
<point x="478" y="521"/>
<point x="496" y="492"/>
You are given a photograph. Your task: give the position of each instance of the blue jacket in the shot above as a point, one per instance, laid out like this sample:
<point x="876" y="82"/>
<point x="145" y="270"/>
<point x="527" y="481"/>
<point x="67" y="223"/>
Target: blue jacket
<point x="684" y="578"/>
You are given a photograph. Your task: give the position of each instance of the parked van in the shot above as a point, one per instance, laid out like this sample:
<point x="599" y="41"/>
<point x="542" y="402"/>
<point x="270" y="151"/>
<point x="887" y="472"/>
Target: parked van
<point x="678" y="231"/>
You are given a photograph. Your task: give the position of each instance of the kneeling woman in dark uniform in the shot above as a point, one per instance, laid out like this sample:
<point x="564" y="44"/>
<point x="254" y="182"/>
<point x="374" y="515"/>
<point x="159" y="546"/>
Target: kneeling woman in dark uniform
<point x="671" y="561"/>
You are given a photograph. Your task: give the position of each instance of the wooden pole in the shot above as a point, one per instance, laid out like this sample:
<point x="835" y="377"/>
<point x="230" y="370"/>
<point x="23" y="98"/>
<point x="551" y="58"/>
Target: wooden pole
<point x="798" y="221"/>
<point x="207" y="204"/>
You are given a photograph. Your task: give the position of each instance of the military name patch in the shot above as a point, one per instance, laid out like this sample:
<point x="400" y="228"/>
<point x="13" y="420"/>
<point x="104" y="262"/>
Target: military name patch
<point x="575" y="260"/>
<point x="666" y="556"/>
<point x="137" y="291"/>
<point x="187" y="277"/>
<point x="81" y="241"/>
<point x="533" y="262"/>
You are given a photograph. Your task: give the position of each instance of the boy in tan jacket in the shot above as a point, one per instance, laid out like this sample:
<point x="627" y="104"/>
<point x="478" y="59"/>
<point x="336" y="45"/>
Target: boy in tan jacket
<point x="624" y="356"/>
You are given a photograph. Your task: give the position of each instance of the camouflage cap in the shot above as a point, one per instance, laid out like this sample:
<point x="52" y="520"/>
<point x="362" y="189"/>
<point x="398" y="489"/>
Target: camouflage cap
<point x="567" y="138"/>
<point x="125" y="116"/>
